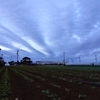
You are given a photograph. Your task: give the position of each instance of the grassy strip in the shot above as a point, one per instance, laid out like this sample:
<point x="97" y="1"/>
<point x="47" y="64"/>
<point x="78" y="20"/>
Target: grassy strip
<point x="5" y="87"/>
<point x="6" y="98"/>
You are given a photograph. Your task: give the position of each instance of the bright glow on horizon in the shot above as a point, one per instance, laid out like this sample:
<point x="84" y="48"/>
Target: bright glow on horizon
<point x="4" y="48"/>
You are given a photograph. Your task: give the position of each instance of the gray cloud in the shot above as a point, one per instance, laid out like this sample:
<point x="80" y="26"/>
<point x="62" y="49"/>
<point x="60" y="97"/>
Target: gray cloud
<point x="45" y="29"/>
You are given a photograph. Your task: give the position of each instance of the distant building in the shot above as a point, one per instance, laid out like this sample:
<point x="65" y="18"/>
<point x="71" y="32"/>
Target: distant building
<point x="26" y="61"/>
<point x="48" y="63"/>
<point x="12" y="63"/>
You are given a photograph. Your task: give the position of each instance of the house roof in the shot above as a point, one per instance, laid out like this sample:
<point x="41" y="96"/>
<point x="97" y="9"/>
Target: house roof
<point x="26" y="58"/>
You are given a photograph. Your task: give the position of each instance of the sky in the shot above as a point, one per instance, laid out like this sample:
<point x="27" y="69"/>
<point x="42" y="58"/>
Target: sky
<point x="45" y="29"/>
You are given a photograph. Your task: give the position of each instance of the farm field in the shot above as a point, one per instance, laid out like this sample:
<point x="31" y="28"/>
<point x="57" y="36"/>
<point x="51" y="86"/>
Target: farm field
<point x="49" y="82"/>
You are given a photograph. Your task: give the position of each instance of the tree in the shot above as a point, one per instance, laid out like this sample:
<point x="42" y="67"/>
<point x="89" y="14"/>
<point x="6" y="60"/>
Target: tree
<point x="2" y="62"/>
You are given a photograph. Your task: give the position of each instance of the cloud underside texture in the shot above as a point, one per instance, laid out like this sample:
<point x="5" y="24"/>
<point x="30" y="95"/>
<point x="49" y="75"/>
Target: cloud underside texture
<point x="45" y="29"/>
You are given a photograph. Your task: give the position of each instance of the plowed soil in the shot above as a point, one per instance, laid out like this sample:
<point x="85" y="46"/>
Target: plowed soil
<point x="49" y="84"/>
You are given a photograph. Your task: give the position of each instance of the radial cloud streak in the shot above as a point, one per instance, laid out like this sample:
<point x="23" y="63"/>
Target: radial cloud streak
<point x="43" y="29"/>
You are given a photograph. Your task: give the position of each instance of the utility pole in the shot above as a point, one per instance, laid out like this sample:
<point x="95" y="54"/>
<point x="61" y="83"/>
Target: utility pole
<point x="79" y="60"/>
<point x="64" y="58"/>
<point x="67" y="60"/>
<point x="17" y="55"/>
<point x="72" y="60"/>
<point x="96" y="58"/>
<point x="0" y="52"/>
<point x="10" y="58"/>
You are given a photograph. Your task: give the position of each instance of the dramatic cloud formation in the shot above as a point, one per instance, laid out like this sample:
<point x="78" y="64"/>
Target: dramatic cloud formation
<point x="43" y="29"/>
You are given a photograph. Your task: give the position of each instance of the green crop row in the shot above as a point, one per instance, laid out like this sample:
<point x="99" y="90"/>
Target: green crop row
<point x="35" y="76"/>
<point x="5" y="87"/>
<point x="24" y="76"/>
<point x="1" y="69"/>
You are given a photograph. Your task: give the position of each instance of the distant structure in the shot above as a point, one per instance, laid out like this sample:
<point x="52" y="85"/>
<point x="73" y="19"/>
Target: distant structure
<point x="12" y="63"/>
<point x="49" y="63"/>
<point x="26" y="61"/>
